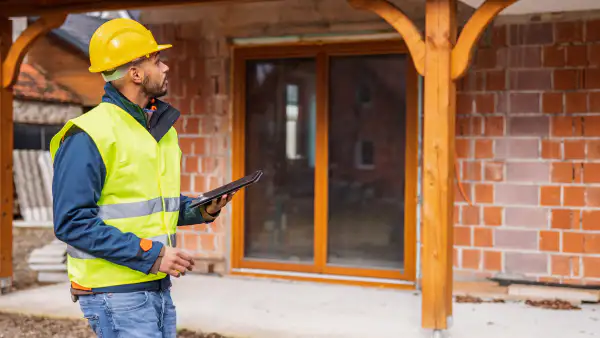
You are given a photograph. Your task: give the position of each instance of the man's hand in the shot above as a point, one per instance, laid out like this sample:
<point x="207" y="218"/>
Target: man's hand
<point x="176" y="262"/>
<point x="217" y="204"/>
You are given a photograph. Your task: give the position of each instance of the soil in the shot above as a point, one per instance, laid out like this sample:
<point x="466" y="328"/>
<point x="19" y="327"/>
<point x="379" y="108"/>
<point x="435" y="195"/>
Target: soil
<point x="25" y="240"/>
<point x="553" y="304"/>
<point x="23" y="326"/>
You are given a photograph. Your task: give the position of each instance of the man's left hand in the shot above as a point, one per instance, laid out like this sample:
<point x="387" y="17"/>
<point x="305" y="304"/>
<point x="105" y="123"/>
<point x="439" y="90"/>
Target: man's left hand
<point x="217" y="204"/>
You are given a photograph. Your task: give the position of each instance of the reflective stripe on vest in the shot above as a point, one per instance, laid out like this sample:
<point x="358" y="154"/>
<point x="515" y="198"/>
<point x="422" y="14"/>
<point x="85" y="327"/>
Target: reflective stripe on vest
<point x="76" y="253"/>
<point x="136" y="209"/>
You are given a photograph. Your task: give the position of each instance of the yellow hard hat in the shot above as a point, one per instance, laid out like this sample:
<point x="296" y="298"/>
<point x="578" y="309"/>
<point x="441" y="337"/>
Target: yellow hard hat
<point x="119" y="41"/>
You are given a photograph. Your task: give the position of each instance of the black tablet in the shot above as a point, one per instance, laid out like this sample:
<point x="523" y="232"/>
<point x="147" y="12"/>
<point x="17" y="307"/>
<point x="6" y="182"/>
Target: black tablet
<point x="234" y="186"/>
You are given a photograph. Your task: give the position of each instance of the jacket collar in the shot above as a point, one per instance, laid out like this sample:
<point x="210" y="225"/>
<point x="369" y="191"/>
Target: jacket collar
<point x="163" y="118"/>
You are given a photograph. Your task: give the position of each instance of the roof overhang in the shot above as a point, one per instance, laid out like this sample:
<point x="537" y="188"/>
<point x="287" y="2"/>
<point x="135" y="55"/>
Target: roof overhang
<point x="543" y="6"/>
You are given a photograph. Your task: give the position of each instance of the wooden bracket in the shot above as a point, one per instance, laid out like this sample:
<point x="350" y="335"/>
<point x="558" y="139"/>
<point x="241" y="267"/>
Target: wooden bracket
<point x="463" y="51"/>
<point x="400" y="21"/>
<point x="12" y="64"/>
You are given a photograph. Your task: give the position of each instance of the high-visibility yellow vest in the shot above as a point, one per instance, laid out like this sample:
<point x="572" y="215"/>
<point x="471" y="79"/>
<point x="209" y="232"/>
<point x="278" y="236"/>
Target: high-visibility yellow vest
<point x="141" y="190"/>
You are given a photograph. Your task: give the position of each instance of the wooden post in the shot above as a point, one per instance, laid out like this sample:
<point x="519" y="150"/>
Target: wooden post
<point x="6" y="162"/>
<point x="438" y="163"/>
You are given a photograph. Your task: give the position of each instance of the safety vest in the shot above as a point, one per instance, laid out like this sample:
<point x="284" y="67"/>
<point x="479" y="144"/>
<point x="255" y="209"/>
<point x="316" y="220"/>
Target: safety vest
<point x="141" y="190"/>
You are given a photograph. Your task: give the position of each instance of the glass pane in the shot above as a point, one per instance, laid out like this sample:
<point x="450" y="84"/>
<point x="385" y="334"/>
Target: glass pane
<point x="366" y="161"/>
<point x="280" y="140"/>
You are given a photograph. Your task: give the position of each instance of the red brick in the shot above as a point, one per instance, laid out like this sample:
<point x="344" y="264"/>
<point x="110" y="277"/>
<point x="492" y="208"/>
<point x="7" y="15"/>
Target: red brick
<point x="591" y="173"/>
<point x="191" y="164"/>
<point x="464" y="103"/>
<point x="525" y="57"/>
<point x="591" y="78"/>
<point x="455" y="253"/>
<point x="577" y="55"/>
<point x="492" y="216"/>
<point x="185" y="183"/>
<point x="574" y="149"/>
<point x="191" y="125"/>
<point x="592" y="30"/>
<point x="463" y="148"/>
<point x="484" y="193"/>
<point x="500" y="35"/>
<point x="576" y="102"/>
<point x="485" y="58"/>
<point x="485" y="103"/>
<point x="592" y="125"/>
<point x="493" y="171"/>
<point x="593" y="197"/>
<point x="493" y="126"/>
<point x="207" y="242"/>
<point x="562" y="172"/>
<point x="566" y="79"/>
<point x="483" y="237"/>
<point x="533" y="263"/>
<point x="565" y="219"/>
<point x="462" y="236"/>
<point x="550" y="196"/>
<point x="551" y="149"/>
<point x="552" y="103"/>
<point x="562" y="126"/>
<point x="529" y="126"/>
<point x="492" y="260"/>
<point x="471" y="171"/>
<point x="594" y="55"/>
<point x="591" y="220"/>
<point x="540" y="79"/>
<point x="561" y="265"/>
<point x="484" y="149"/>
<point x="190" y="242"/>
<point x="591" y="266"/>
<point x="532" y="34"/>
<point x="593" y="149"/>
<point x="568" y="31"/>
<point x="573" y="196"/>
<point x="495" y="80"/>
<point x="458" y="196"/>
<point x="577" y="172"/>
<point x="573" y="242"/>
<point x="550" y="241"/>
<point x="471" y="259"/>
<point x="591" y="243"/>
<point x="200" y="184"/>
<point x="554" y="56"/>
<point x="524" y="103"/>
<point x="594" y="101"/>
<point x="186" y="145"/>
<point x="200" y="146"/>
<point x="470" y="215"/>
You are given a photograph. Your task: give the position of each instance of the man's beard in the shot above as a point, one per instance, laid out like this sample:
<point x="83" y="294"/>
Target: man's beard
<point x="154" y="89"/>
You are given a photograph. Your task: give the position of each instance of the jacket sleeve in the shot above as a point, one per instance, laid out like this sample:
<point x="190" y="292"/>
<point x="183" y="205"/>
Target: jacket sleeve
<point x="191" y="216"/>
<point x="79" y="174"/>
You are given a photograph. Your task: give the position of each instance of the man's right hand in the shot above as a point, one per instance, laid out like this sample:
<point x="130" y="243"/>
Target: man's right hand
<point x="176" y="262"/>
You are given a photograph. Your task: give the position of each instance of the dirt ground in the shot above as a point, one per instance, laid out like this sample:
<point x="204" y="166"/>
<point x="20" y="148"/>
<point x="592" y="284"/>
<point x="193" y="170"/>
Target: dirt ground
<point x="21" y="326"/>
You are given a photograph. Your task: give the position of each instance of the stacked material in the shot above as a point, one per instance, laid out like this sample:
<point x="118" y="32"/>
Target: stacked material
<point x="33" y="185"/>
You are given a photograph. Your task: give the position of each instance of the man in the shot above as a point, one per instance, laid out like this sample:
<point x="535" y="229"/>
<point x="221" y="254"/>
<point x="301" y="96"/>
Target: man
<point x="117" y="200"/>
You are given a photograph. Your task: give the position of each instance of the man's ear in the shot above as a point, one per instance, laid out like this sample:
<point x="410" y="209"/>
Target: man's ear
<point x="137" y="74"/>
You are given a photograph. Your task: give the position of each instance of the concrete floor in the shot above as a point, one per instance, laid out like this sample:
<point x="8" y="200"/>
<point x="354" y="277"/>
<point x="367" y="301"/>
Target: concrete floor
<point x="261" y="308"/>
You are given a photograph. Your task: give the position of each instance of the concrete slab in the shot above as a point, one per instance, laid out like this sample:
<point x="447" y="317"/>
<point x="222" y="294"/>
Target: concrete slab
<point x="262" y="308"/>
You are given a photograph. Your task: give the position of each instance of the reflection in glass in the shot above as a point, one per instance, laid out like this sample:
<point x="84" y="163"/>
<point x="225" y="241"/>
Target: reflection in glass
<point x="280" y="140"/>
<point x="366" y="161"/>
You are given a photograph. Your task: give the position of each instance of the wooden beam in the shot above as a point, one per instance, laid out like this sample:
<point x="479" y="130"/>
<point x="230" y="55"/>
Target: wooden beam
<point x="463" y="52"/>
<point x="12" y="63"/>
<point x="400" y="21"/>
<point x="82" y="6"/>
<point x="438" y="152"/>
<point x="6" y="159"/>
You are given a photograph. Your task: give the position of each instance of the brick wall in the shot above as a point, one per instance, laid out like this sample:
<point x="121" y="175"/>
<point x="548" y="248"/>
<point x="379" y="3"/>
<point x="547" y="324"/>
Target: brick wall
<point x="528" y="129"/>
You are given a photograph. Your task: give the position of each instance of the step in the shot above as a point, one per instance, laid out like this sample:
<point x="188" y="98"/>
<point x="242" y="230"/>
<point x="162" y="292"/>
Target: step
<point x="48" y="267"/>
<point x="546" y="292"/>
<point x="52" y="277"/>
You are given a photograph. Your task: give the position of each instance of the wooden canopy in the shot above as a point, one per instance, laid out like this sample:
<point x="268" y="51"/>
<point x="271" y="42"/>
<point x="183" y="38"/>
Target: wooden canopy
<point x="439" y="56"/>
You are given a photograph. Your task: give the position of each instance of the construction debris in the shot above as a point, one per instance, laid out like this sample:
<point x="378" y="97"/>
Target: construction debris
<point x="553" y="304"/>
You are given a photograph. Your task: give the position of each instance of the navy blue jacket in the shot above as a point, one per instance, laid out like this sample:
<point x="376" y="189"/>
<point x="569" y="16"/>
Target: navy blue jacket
<point x="79" y="175"/>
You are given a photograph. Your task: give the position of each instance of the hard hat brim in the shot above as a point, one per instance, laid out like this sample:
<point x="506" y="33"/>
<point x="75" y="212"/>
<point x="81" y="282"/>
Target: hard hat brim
<point x="158" y="49"/>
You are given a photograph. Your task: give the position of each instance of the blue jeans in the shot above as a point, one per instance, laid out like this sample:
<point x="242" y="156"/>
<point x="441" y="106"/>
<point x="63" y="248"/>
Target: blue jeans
<point x="143" y="314"/>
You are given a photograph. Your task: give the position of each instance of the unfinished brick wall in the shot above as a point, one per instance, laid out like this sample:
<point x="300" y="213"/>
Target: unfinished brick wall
<point x="528" y="139"/>
<point x="198" y="88"/>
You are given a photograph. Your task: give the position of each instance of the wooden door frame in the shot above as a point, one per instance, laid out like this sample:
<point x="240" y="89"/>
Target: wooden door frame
<point x="321" y="53"/>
